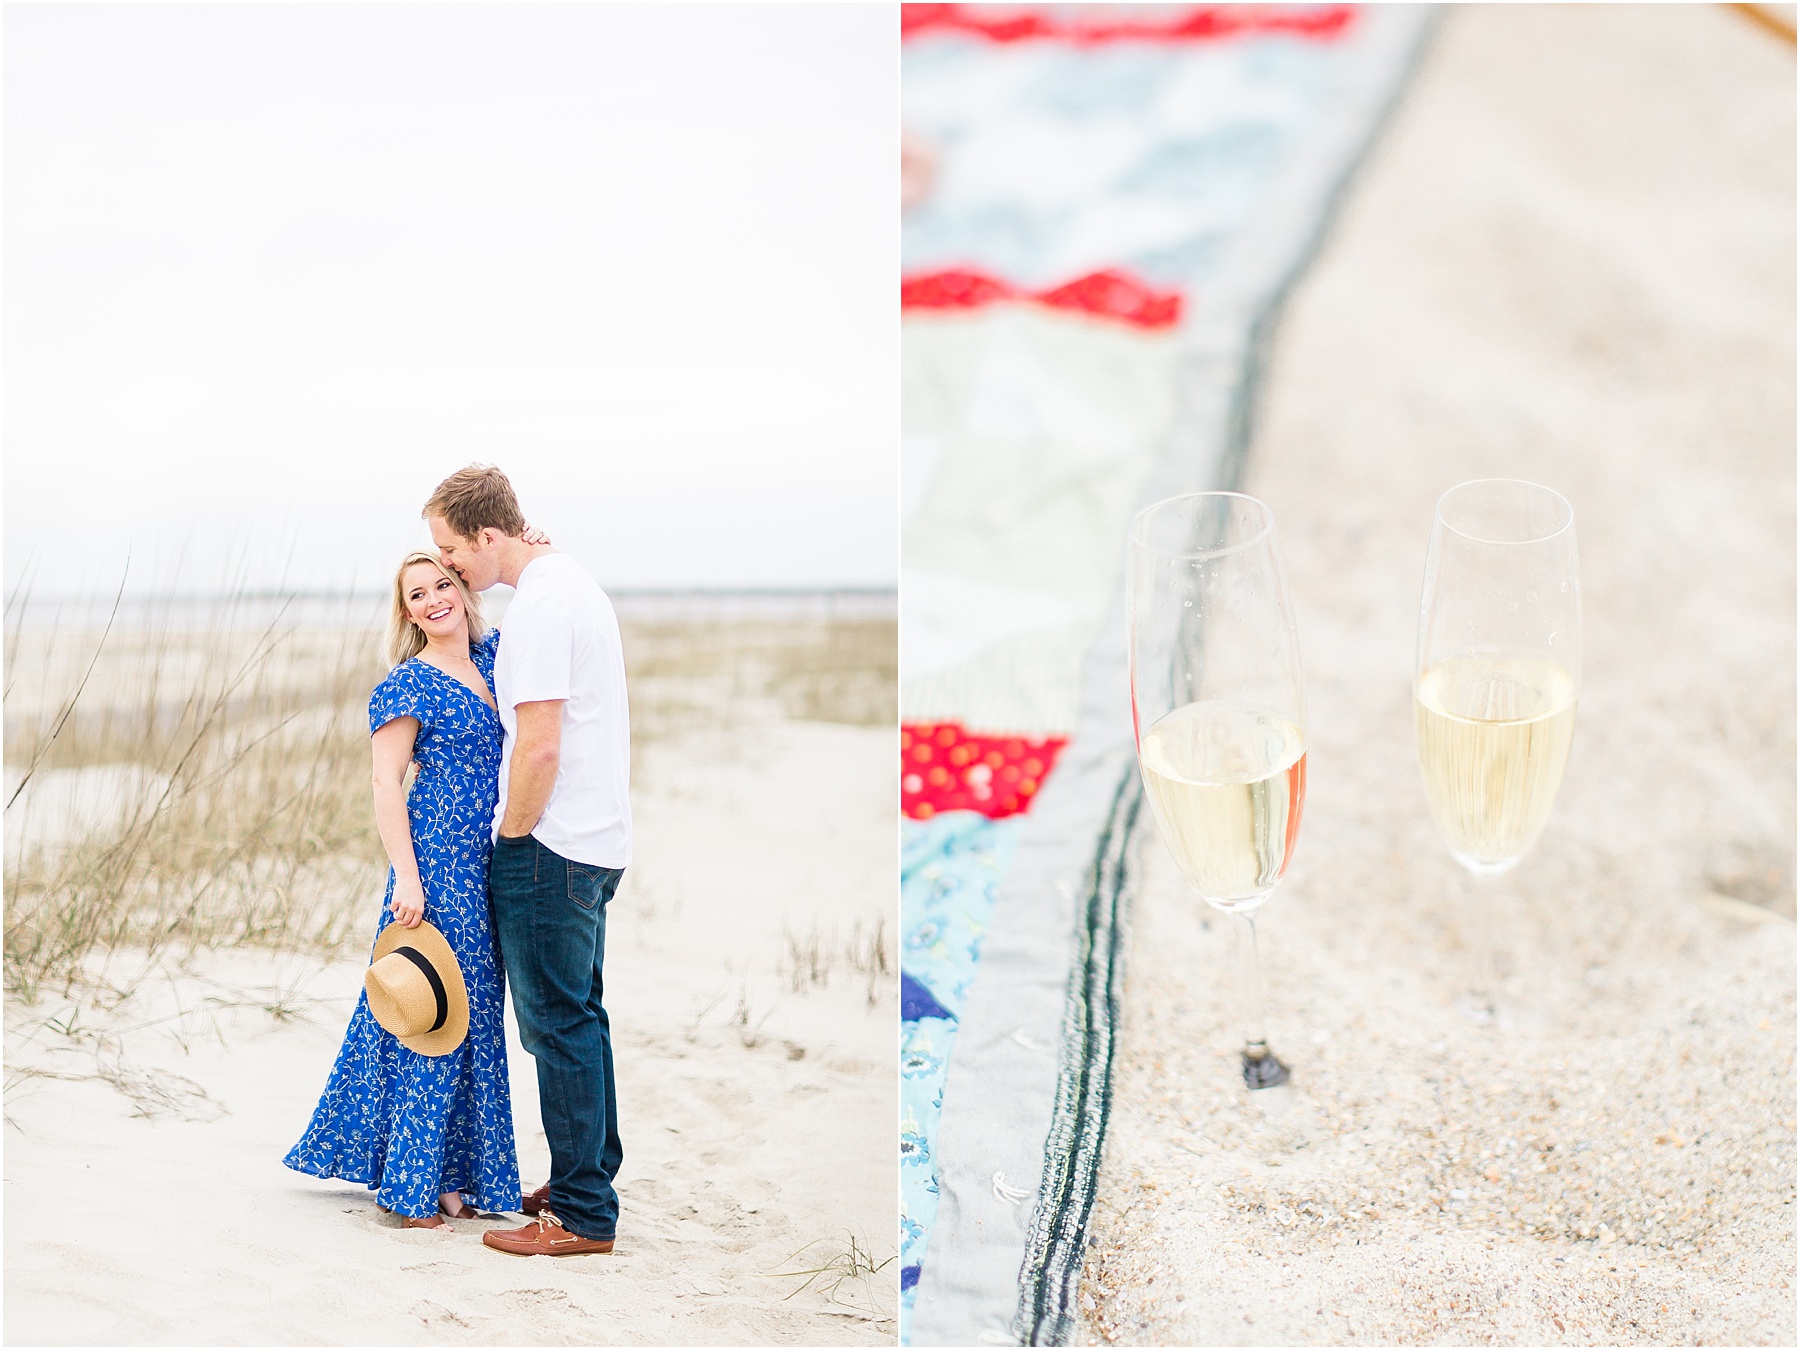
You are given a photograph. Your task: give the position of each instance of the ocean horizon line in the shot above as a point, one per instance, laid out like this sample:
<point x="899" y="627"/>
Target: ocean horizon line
<point x="261" y="607"/>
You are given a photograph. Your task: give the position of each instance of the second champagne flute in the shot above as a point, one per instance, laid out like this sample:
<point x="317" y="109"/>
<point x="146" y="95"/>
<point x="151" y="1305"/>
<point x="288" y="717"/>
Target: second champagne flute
<point x="1495" y="681"/>
<point x="1218" y="705"/>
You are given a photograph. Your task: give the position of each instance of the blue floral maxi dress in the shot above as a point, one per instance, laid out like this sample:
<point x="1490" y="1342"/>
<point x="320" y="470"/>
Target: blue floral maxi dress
<point x="411" y="1125"/>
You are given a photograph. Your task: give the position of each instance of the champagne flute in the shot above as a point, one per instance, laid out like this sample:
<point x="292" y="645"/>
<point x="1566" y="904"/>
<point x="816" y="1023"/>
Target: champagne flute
<point x="1218" y="706"/>
<point x="1497" y="674"/>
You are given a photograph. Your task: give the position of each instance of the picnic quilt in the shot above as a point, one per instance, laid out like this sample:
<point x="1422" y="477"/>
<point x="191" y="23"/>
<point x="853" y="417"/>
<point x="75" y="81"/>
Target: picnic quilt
<point x="1105" y="208"/>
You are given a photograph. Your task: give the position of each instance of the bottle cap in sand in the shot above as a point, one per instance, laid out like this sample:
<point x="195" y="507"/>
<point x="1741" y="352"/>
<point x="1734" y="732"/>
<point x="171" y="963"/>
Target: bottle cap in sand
<point x="416" y="989"/>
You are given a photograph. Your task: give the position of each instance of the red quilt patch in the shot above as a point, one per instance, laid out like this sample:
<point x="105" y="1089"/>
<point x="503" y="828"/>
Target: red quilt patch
<point x="1191" y="23"/>
<point x="945" y="768"/>
<point x="1108" y="294"/>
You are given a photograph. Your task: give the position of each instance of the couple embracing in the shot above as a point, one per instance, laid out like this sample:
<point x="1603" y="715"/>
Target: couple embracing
<point x="505" y="854"/>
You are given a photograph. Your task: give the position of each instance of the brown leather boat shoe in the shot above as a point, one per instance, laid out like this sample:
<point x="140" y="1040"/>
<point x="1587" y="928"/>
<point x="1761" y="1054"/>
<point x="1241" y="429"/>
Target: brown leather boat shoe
<point x="537" y="1201"/>
<point x="544" y="1236"/>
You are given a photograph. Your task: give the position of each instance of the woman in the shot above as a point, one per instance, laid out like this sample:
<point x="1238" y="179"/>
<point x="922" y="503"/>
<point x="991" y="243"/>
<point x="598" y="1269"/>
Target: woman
<point x="426" y="1131"/>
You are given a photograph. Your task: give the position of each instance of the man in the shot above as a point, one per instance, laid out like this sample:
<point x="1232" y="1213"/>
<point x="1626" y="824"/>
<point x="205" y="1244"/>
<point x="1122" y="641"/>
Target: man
<point x="562" y="840"/>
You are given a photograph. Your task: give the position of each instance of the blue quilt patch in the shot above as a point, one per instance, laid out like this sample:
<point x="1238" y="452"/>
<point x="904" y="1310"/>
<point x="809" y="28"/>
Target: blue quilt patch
<point x="950" y="871"/>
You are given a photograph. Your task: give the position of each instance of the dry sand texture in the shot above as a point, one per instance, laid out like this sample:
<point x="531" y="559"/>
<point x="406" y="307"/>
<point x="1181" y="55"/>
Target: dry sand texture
<point x="752" y="993"/>
<point x="1570" y="260"/>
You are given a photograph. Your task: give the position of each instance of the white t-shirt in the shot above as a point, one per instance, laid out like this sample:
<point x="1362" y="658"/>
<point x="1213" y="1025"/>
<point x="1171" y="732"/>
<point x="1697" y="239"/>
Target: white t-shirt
<point x="560" y="640"/>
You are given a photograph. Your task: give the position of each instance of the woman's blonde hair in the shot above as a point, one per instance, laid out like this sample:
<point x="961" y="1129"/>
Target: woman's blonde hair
<point x="405" y="639"/>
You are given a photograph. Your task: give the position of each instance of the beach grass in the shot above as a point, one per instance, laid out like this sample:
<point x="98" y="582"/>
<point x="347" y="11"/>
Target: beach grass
<point x="686" y="673"/>
<point x="168" y="789"/>
<point x="810" y="959"/>
<point x="843" y="1269"/>
<point x="204" y="783"/>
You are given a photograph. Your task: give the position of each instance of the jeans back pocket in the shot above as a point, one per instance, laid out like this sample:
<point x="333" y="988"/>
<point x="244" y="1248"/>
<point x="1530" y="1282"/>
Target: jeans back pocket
<point x="584" y="884"/>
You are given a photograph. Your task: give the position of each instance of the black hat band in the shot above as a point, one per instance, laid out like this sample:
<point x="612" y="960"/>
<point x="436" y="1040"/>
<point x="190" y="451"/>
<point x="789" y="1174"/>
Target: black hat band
<point x="437" y="986"/>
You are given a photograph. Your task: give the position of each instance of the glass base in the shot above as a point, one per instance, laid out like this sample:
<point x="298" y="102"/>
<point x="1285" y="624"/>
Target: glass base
<point x="1263" y="1071"/>
<point x="1504" y="1008"/>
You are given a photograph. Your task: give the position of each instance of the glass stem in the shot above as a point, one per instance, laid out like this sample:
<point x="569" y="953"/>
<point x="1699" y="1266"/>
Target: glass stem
<point x="1256" y="1040"/>
<point x="1261" y="1069"/>
<point x="1478" y="1003"/>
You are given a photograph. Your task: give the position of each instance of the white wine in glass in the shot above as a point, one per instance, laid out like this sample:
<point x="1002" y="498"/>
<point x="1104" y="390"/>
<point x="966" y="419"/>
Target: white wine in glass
<point x="1496" y="678"/>
<point x="1219" y="707"/>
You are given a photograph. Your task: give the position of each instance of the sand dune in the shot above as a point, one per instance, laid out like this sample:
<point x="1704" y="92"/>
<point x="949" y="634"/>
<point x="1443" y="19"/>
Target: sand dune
<point x="145" y="1197"/>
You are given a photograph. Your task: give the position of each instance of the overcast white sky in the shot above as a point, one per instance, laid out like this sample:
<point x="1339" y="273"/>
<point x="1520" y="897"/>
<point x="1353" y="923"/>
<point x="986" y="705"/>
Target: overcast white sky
<point x="273" y="270"/>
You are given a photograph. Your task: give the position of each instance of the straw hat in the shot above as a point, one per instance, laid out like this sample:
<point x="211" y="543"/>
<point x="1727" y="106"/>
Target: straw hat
<point x="416" y="989"/>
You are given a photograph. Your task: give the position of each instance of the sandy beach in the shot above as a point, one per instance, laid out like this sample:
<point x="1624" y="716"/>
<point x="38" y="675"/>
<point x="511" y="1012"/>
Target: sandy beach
<point x="1570" y="260"/>
<point x="752" y="994"/>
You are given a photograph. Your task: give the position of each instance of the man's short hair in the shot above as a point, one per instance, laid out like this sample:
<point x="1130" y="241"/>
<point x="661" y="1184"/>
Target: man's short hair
<point x="473" y="499"/>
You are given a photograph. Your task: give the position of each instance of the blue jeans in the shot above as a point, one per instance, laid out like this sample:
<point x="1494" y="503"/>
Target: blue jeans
<point x="550" y="914"/>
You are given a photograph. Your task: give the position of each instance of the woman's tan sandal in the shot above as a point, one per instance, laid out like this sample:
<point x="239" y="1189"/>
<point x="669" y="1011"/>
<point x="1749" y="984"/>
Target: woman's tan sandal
<point x="425" y="1221"/>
